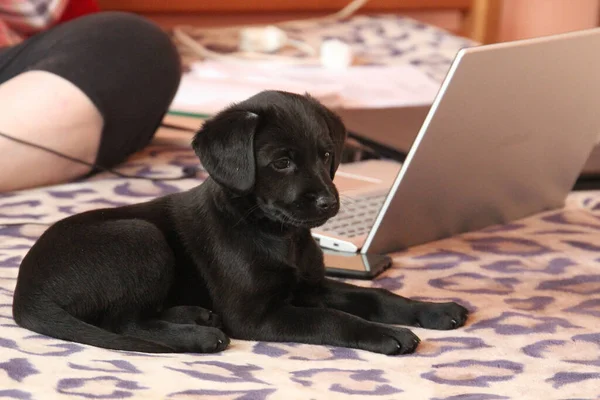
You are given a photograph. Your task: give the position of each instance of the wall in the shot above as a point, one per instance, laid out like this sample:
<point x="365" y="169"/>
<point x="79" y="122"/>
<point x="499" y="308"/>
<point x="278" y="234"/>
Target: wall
<point x="522" y="19"/>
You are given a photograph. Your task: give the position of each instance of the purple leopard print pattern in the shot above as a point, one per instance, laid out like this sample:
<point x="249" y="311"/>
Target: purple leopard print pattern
<point x="533" y="288"/>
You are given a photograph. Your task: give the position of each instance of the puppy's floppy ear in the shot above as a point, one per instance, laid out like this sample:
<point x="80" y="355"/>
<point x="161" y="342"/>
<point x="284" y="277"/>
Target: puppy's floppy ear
<point x="337" y="131"/>
<point x="225" y="146"/>
<point x="338" y="134"/>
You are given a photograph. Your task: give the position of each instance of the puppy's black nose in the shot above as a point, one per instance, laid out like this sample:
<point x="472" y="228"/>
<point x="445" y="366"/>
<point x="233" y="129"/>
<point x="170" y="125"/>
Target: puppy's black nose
<point x="325" y="202"/>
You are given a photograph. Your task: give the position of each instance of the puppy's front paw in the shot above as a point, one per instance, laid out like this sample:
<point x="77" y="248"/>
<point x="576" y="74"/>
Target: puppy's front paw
<point x="442" y="316"/>
<point x="388" y="340"/>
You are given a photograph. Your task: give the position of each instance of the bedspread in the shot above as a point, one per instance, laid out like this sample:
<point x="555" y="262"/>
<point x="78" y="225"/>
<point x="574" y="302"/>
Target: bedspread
<point x="532" y="286"/>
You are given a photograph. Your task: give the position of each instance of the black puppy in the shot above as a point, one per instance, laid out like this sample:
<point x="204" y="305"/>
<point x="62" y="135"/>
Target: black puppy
<point x="142" y="277"/>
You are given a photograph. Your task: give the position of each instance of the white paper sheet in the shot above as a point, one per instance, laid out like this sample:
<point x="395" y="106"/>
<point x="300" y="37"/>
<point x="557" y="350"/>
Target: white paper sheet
<point x="211" y="86"/>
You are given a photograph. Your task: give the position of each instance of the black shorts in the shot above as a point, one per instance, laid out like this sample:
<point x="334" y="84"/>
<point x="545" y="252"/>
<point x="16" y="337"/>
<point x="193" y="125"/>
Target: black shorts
<point x="126" y="65"/>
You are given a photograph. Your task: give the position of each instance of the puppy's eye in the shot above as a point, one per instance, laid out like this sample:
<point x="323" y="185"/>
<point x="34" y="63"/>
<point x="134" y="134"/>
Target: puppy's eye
<point x="282" y="163"/>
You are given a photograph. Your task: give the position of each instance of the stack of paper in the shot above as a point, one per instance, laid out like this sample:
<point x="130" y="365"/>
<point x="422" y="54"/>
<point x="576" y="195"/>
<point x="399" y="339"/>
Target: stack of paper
<point x="211" y="86"/>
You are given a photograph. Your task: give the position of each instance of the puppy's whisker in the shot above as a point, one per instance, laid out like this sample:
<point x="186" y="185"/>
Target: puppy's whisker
<point x="250" y="211"/>
<point x="286" y="220"/>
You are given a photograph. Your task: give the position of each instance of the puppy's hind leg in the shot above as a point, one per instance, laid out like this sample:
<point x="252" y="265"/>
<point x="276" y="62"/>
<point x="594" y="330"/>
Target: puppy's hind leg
<point x="191" y="315"/>
<point x="47" y="318"/>
<point x="96" y="292"/>
<point x="184" y="338"/>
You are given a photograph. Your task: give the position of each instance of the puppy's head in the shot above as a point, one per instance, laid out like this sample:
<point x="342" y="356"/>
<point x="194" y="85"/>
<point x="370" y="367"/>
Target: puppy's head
<point x="282" y="149"/>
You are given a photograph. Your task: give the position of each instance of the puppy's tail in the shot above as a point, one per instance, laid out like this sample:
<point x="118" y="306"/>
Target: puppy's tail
<point x="51" y="320"/>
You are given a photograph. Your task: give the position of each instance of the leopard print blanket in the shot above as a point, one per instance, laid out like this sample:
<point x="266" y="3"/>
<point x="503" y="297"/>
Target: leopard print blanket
<point x="532" y="286"/>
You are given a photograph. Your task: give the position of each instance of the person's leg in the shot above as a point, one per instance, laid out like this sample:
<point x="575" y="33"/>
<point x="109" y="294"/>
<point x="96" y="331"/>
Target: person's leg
<point x="33" y="106"/>
<point x="95" y="88"/>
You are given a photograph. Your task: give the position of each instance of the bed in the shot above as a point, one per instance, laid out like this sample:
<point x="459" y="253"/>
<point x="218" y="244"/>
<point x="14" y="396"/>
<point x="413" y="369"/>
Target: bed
<point x="532" y="286"/>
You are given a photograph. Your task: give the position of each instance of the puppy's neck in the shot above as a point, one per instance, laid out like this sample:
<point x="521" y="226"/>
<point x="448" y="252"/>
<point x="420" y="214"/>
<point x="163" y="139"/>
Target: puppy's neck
<point x="243" y="210"/>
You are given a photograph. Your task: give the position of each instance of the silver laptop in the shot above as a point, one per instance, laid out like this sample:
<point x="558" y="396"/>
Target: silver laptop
<point x="506" y="137"/>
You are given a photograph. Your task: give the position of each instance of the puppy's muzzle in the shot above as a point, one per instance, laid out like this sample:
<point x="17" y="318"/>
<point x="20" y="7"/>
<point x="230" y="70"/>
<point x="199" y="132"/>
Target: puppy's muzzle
<point x="320" y="205"/>
<point x="325" y="203"/>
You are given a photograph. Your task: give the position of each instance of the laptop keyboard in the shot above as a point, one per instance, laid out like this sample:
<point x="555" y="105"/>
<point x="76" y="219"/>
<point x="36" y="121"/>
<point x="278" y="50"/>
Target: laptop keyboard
<point x="356" y="216"/>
